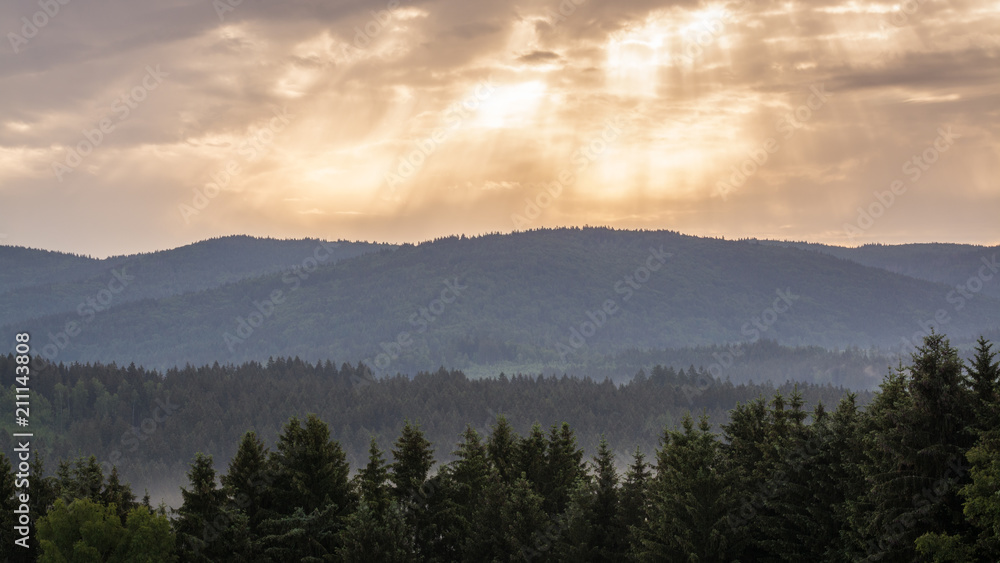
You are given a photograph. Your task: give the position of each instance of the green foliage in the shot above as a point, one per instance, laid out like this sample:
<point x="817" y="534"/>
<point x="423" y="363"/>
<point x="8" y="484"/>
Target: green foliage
<point x="85" y="531"/>
<point x="412" y="460"/>
<point x="502" y="449"/>
<point x="300" y="536"/>
<point x="917" y="432"/>
<point x="152" y="425"/>
<point x="372" y="481"/>
<point x="692" y="497"/>
<point x="886" y="483"/>
<point x="207" y="529"/>
<point x="376" y="535"/>
<point x="247" y="483"/>
<point x="311" y="469"/>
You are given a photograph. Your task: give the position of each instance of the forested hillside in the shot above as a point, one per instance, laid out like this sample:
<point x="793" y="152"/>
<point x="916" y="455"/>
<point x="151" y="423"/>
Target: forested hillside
<point x="35" y="283"/>
<point x="953" y="264"/>
<point x="913" y="476"/>
<point x="149" y="424"/>
<point x="538" y="300"/>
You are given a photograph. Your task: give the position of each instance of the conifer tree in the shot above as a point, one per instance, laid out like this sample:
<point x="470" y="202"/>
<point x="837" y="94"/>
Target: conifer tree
<point x="691" y="500"/>
<point x="634" y="501"/>
<point x="920" y="427"/>
<point x="8" y="503"/>
<point x="302" y="537"/>
<point x="248" y="478"/>
<point x="595" y="529"/>
<point x="502" y="448"/>
<point x="311" y="469"/>
<point x="412" y="461"/>
<point x="531" y="458"/>
<point x="119" y="494"/>
<point x="81" y="478"/>
<point x="207" y="530"/>
<point x="373" y="481"/>
<point x="984" y="379"/>
<point x="564" y="467"/>
<point x="376" y="536"/>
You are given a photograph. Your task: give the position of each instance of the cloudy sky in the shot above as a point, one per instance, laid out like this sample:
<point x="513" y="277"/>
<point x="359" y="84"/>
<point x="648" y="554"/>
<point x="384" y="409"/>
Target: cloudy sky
<point x="133" y="126"/>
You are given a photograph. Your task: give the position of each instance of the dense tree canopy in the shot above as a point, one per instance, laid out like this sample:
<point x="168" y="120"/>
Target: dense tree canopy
<point x="914" y="476"/>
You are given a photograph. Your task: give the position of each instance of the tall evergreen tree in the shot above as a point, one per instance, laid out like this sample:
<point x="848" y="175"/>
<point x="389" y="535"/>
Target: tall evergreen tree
<point x="610" y="533"/>
<point x="412" y="461"/>
<point x="81" y="478"/>
<point x="247" y="482"/>
<point x="531" y="458"/>
<point x="919" y="429"/>
<point x="373" y="481"/>
<point x="301" y="536"/>
<point x="595" y="527"/>
<point x="751" y="458"/>
<point x="635" y="498"/>
<point x="502" y="448"/>
<point x="419" y="498"/>
<point x="207" y="530"/>
<point x="8" y="503"/>
<point x="564" y="466"/>
<point x="311" y="469"/>
<point x="470" y="476"/>
<point x="369" y="535"/>
<point x="118" y="494"/>
<point x="691" y="499"/>
<point x="984" y="379"/>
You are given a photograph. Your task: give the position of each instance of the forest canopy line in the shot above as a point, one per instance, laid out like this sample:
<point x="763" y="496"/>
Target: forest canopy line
<point x="149" y="424"/>
<point x="913" y="476"/>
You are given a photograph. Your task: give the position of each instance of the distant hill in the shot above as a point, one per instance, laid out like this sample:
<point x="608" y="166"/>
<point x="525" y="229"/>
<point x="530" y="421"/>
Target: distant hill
<point x="522" y="299"/>
<point x="35" y="283"/>
<point x="951" y="264"/>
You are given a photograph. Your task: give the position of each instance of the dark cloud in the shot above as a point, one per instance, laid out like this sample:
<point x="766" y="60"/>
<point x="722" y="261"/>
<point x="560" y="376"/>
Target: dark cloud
<point x="539" y="57"/>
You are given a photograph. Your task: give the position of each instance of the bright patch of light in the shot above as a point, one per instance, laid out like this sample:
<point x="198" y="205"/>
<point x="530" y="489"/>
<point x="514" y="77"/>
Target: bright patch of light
<point x="512" y="105"/>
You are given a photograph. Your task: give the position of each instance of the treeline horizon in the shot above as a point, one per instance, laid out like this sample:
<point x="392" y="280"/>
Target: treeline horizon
<point x="148" y="424"/>
<point x="915" y="476"/>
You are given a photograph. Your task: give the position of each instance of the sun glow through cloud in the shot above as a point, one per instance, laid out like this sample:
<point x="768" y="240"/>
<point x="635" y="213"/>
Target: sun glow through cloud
<point x="388" y="126"/>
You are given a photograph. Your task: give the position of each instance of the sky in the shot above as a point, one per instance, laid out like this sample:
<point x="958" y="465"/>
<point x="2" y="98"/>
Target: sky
<point x="135" y="126"/>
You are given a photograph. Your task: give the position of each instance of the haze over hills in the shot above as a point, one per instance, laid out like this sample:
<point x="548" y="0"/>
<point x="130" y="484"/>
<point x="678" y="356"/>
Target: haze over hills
<point x="528" y="300"/>
<point x="35" y="283"/>
<point x="952" y="264"/>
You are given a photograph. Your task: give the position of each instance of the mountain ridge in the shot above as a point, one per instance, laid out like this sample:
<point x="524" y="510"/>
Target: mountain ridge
<point x="521" y="299"/>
